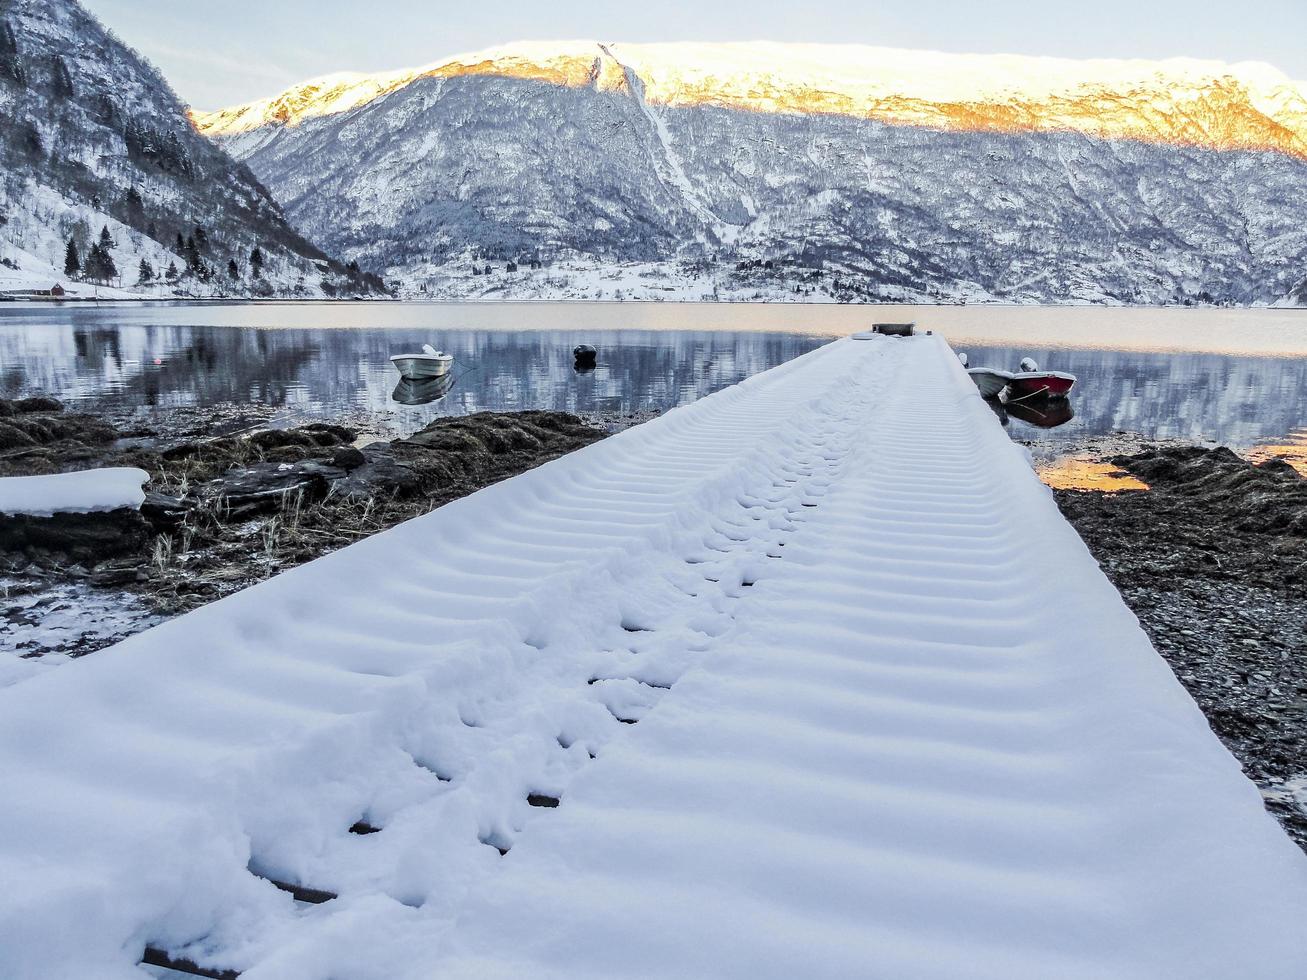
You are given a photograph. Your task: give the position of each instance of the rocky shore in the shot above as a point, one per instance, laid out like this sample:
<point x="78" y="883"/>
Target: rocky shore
<point x="1212" y="558"/>
<point x="226" y="509"/>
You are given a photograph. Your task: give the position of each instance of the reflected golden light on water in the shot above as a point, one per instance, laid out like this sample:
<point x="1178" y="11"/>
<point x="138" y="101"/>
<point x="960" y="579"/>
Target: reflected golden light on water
<point x="1293" y="452"/>
<point x="1072" y="473"/>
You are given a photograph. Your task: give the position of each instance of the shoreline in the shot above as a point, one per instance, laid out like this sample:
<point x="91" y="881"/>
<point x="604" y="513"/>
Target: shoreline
<point x="1212" y="558"/>
<point x="547" y="301"/>
<point x="229" y="503"/>
<point x="1243" y="333"/>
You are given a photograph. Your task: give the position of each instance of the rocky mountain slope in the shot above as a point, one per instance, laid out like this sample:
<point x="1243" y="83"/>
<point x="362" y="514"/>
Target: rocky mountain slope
<point x="771" y="169"/>
<point x="92" y="138"/>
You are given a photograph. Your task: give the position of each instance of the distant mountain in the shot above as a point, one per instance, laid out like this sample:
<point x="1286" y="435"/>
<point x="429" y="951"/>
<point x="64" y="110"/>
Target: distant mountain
<point x="92" y="138"/>
<point x="771" y="169"/>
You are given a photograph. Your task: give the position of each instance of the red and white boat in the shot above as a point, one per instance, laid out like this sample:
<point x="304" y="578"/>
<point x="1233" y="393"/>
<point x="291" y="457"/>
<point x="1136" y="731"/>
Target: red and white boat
<point x="1031" y="384"/>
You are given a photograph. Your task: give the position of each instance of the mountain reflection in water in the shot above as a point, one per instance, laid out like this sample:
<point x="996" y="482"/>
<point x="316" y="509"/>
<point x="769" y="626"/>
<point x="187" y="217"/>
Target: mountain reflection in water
<point x="331" y="373"/>
<point x="129" y="359"/>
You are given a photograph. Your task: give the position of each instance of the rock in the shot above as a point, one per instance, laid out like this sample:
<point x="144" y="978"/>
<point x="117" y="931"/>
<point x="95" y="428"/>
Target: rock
<point x="319" y="435"/>
<point x="326" y="434"/>
<point x="380" y="475"/>
<point x="286" y="445"/>
<point x="182" y="450"/>
<point x="164" y="511"/>
<point x="1278" y="466"/>
<point x="348" y="458"/>
<point x="27" y="429"/>
<point x="86" y="538"/>
<point x="24" y="406"/>
<point x="116" y="575"/>
<point x="267" y="487"/>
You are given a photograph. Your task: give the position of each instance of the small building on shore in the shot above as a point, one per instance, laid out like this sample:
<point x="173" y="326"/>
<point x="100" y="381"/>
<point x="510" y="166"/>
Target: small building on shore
<point x="56" y="291"/>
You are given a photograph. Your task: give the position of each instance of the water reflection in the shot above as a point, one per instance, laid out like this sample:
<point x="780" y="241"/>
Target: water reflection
<point x="1233" y="400"/>
<point x="1072" y="473"/>
<point x="409" y="392"/>
<point x="1046" y="414"/>
<point x="331" y="373"/>
<point x="138" y="357"/>
<point x="1292" y="450"/>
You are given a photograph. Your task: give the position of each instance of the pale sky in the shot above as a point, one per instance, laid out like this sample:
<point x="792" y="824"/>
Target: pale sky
<point x="217" y="55"/>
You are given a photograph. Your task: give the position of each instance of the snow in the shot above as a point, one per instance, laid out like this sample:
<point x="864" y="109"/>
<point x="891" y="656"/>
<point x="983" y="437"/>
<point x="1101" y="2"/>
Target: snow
<point x="580" y="277"/>
<point x="703" y="157"/>
<point x="774" y="76"/>
<point x="36" y="234"/>
<point x="14" y="668"/>
<point x="85" y="492"/>
<point x="875" y="732"/>
<point x="45" y="623"/>
<point x="40" y="221"/>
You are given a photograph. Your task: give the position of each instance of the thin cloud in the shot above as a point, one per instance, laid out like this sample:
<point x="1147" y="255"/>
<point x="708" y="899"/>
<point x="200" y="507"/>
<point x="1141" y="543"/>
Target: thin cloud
<point x="263" y="71"/>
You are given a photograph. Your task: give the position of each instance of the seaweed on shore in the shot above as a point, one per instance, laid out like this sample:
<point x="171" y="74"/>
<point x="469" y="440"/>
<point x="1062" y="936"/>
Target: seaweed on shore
<point x="224" y="513"/>
<point x="1213" y="561"/>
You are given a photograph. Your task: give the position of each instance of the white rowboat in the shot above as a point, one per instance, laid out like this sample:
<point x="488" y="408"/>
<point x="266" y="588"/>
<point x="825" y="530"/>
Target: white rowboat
<point x="990" y="381"/>
<point x="431" y="363"/>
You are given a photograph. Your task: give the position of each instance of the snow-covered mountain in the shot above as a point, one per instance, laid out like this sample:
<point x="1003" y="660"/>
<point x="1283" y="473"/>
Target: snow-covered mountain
<point x="844" y="171"/>
<point x="92" y="138"/>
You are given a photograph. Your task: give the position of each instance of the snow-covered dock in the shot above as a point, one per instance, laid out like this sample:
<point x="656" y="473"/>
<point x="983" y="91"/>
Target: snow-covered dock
<point x="809" y="678"/>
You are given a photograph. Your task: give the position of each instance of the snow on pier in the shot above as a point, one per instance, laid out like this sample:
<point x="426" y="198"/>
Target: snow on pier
<point x="808" y="678"/>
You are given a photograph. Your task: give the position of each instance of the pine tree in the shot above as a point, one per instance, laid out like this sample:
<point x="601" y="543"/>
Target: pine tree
<point x="11" y="61"/>
<point x="100" y="265"/>
<point x="106" y="239"/>
<point x="72" y="261"/>
<point x="181" y="245"/>
<point x="233" y="271"/>
<point x="62" y="80"/>
<point x="108" y="266"/>
<point x="93" y="268"/>
<point x="256" y="262"/>
<point x="172" y="272"/>
<point x="28" y="140"/>
<point x="146" y="275"/>
<point x="201" y="240"/>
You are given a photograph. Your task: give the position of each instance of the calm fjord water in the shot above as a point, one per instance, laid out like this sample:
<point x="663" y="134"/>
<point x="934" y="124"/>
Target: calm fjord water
<point x="1236" y="377"/>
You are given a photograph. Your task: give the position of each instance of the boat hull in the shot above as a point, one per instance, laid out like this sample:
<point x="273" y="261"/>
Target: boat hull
<point x="422" y="367"/>
<point x="990" y="381"/>
<point x="1041" y="384"/>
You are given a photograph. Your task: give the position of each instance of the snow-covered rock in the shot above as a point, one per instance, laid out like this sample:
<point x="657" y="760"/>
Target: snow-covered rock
<point x="799" y="171"/>
<point x="83" y="492"/>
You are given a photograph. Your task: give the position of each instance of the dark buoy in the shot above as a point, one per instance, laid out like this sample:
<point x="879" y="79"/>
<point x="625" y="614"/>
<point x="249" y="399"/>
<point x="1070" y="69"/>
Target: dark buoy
<point x="585" y="356"/>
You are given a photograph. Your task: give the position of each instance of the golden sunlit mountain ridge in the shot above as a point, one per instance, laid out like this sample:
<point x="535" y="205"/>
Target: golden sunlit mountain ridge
<point x="1183" y="102"/>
